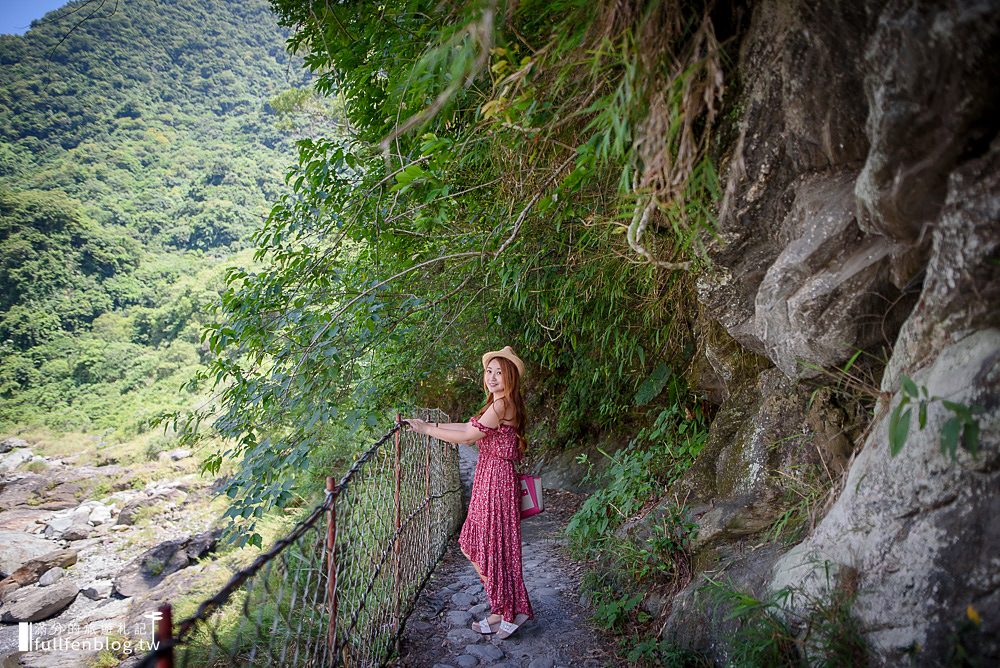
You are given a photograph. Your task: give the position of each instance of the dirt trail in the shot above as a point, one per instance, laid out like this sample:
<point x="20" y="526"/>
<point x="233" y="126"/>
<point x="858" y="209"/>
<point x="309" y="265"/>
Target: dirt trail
<point x="437" y="634"/>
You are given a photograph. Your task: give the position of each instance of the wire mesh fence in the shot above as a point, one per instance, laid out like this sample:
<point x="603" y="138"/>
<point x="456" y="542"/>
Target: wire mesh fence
<point x="336" y="590"/>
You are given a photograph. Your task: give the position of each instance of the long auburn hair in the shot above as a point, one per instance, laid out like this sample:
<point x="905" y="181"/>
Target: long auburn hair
<point x="512" y="382"/>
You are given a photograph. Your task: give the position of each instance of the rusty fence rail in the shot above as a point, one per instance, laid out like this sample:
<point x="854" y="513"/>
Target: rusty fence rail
<point x="336" y="590"/>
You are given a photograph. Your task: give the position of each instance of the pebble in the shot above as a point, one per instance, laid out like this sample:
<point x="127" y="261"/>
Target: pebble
<point x="466" y="661"/>
<point x="443" y="665"/>
<point x="541" y="662"/>
<point x="477" y="610"/>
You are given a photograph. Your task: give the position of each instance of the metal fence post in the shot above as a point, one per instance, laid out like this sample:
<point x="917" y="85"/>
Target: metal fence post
<point x="165" y="632"/>
<point x="398" y="522"/>
<point x="427" y="498"/>
<point x="331" y="565"/>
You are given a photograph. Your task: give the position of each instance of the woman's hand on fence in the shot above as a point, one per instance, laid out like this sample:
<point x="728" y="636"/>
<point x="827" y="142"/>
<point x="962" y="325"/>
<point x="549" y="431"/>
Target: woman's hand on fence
<point x="417" y="425"/>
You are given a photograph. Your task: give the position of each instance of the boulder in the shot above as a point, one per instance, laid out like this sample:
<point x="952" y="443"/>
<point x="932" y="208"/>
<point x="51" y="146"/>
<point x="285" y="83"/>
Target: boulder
<point x="100" y="514"/>
<point x="165" y="497"/>
<point x="920" y="529"/>
<point x="175" y="455"/>
<point x="98" y="590"/>
<point x="14" y="458"/>
<point x="23" y="518"/>
<point x="30" y="571"/>
<point x="9" y="444"/>
<point x="33" y="604"/>
<point x="66" y="520"/>
<point x="79" y="530"/>
<point x="203" y="543"/>
<point x="150" y="568"/>
<point x="57" y="524"/>
<point x="20" y="548"/>
<point x="56" y="490"/>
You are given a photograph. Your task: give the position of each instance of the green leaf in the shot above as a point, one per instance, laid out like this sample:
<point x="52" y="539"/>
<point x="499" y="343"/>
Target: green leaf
<point x="653" y="385"/>
<point x="922" y="415"/>
<point x="970" y="437"/>
<point x="899" y="428"/>
<point x="909" y="386"/>
<point x="949" y="436"/>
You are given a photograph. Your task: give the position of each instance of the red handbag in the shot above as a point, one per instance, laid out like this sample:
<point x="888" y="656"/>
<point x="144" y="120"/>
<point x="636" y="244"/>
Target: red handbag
<point x="531" y="495"/>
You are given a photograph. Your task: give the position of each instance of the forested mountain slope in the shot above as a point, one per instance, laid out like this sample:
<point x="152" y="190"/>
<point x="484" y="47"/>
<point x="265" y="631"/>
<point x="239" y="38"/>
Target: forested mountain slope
<point x="138" y="147"/>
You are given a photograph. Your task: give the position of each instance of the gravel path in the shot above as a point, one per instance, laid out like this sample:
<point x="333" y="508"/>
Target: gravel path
<point x="437" y="634"/>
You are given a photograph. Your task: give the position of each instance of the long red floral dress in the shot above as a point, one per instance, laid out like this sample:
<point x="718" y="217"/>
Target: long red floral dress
<point x="491" y="535"/>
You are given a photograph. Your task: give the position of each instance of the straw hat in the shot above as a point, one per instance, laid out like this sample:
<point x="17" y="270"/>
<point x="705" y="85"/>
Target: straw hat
<point x="508" y="353"/>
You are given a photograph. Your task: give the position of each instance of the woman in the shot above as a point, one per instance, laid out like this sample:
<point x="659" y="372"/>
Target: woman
<point x="491" y="535"/>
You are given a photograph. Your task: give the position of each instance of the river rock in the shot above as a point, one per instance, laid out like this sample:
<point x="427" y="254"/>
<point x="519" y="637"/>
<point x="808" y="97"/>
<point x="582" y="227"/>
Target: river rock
<point x="57" y="524"/>
<point x="79" y="530"/>
<point x="176" y="454"/>
<point x="20" y="548"/>
<point x="166" y="497"/>
<point x="69" y="524"/>
<point x="51" y="576"/>
<point x="33" y="604"/>
<point x="98" y="590"/>
<point x="14" y="458"/>
<point x="130" y="512"/>
<point x="9" y="444"/>
<point x="462" y="600"/>
<point x="462" y="636"/>
<point x="100" y="514"/>
<point x="30" y="571"/>
<point x="150" y="568"/>
<point x="22" y="518"/>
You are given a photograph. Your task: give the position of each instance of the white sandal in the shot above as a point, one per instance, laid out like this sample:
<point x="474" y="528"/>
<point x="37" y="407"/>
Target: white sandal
<point x="485" y="627"/>
<point x="507" y="628"/>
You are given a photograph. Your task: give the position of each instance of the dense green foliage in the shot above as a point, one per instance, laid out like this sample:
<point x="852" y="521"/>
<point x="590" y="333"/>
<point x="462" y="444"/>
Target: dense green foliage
<point x="138" y="149"/>
<point x="502" y="166"/>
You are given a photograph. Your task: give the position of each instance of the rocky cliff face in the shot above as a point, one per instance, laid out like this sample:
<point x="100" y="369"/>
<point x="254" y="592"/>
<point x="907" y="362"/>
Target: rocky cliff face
<point x="862" y="209"/>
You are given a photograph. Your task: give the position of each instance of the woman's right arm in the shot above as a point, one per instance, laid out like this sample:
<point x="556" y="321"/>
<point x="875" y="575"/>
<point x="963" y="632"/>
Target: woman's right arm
<point x="456" y="426"/>
<point x="458" y="432"/>
<point x="467" y="434"/>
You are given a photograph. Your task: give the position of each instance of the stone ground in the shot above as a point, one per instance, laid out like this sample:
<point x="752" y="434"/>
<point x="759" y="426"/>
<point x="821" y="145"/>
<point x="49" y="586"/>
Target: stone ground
<point x="437" y="633"/>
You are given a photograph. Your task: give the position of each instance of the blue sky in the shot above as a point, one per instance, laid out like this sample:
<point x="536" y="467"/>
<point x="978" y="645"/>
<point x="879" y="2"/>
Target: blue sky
<point x="16" y="15"/>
